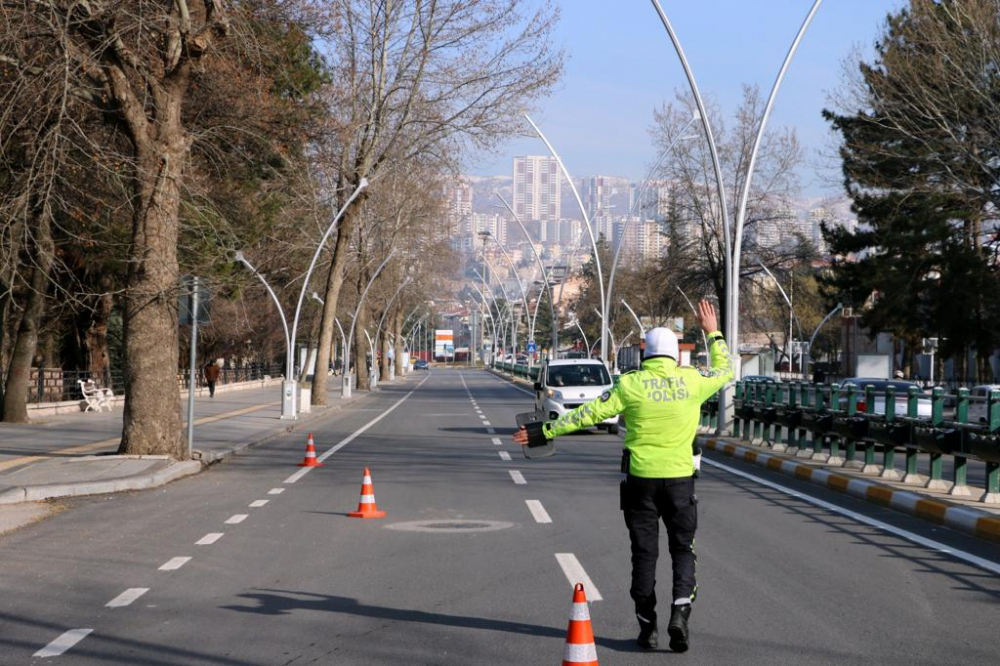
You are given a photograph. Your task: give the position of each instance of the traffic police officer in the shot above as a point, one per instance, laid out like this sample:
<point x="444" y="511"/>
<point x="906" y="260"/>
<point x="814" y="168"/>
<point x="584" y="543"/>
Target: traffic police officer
<point x="661" y="403"/>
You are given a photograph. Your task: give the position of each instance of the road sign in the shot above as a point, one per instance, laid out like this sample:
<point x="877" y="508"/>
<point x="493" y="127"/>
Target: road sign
<point x="532" y="347"/>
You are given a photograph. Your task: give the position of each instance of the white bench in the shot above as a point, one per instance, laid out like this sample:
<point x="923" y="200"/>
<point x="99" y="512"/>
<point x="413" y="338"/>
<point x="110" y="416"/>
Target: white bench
<point x="97" y="397"/>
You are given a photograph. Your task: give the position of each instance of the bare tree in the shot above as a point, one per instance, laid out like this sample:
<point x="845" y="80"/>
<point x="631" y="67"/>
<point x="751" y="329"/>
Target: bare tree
<point x="415" y="78"/>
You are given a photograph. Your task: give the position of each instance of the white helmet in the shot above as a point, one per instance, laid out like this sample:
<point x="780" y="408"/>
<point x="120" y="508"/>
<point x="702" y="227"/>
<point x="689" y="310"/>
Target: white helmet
<point x="661" y="342"/>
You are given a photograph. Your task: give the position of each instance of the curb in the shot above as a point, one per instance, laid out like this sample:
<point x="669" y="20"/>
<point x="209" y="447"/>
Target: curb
<point x="964" y="519"/>
<point x="171" y="472"/>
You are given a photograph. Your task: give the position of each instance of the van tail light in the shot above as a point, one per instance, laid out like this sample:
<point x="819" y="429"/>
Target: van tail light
<point x="862" y="407"/>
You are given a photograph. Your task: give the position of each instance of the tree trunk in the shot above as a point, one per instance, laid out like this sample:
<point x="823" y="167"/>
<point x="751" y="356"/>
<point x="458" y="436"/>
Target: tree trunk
<point x="361" y="351"/>
<point x="383" y="344"/>
<point x="397" y="330"/>
<point x="96" y="335"/>
<point x="15" y="394"/>
<point x="152" y="396"/>
<point x="334" y="283"/>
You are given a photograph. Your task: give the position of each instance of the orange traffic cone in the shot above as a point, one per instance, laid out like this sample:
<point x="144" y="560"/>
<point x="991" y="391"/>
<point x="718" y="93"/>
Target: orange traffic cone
<point x="580" y="648"/>
<point x="310" y="460"/>
<point x="367" y="507"/>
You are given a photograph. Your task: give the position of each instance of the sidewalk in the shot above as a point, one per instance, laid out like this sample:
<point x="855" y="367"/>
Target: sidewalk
<point x="73" y="454"/>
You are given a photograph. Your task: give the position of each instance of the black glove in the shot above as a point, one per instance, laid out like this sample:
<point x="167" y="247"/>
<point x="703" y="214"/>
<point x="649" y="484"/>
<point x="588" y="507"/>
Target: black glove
<point x="536" y="436"/>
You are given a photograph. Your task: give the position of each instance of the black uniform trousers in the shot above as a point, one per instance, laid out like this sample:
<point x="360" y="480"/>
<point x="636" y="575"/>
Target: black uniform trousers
<point x="645" y="502"/>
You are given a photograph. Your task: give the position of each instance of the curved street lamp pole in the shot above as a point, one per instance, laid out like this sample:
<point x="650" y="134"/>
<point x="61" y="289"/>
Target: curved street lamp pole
<point x="586" y="345"/>
<point x="733" y="240"/>
<point x="496" y="304"/>
<point x="378" y="331"/>
<point x="638" y="323"/>
<point x="694" y="311"/>
<point x="545" y="279"/>
<point x="590" y="232"/>
<point x="791" y="314"/>
<point x="506" y="297"/>
<point x="488" y="315"/>
<point x="238" y="256"/>
<point x="812" y="338"/>
<point x="524" y="296"/>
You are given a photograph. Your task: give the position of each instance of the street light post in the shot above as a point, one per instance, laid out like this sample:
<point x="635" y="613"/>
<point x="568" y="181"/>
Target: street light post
<point x="524" y="297"/>
<point x="791" y="315"/>
<point x="346" y="393"/>
<point x="694" y="311"/>
<point x="590" y="232"/>
<point x="812" y="338"/>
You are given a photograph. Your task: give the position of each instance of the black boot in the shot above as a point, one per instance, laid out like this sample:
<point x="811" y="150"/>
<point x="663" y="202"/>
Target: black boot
<point x="648" y="635"/>
<point x="678" y="627"/>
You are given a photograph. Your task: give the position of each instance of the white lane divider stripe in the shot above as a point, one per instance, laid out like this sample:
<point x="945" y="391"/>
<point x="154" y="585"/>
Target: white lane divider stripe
<point x="357" y="433"/>
<point x="275" y="491"/>
<point x="538" y="511"/>
<point x="575" y="573"/>
<point x="63" y="643"/>
<point x="237" y="519"/>
<point x="209" y="539"/>
<point x="127" y="597"/>
<point x="256" y="504"/>
<point x="496" y="440"/>
<point x="518" y="477"/>
<point x="504" y="455"/>
<point x="486" y="423"/>
<point x="174" y="563"/>
<point x="988" y="565"/>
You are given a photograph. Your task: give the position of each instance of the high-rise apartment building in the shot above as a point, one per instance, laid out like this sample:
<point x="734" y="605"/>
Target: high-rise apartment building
<point x="458" y="199"/>
<point x="537" y="188"/>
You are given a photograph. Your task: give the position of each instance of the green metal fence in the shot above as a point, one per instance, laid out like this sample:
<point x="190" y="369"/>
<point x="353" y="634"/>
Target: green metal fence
<point x="834" y="424"/>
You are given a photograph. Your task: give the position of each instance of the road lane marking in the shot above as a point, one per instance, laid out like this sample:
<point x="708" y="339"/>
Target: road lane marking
<point x="275" y="491"/>
<point x="174" y="563"/>
<point x="991" y="566"/>
<point x="63" y="643"/>
<point x="485" y="422"/>
<point x="491" y="431"/>
<point x="575" y="573"/>
<point x="209" y="539"/>
<point x="127" y="597"/>
<point x="256" y="504"/>
<point x="517" y="476"/>
<point x="504" y="455"/>
<point x="357" y="433"/>
<point x="496" y="440"/>
<point x="538" y="511"/>
<point x="511" y="384"/>
<point x="237" y="519"/>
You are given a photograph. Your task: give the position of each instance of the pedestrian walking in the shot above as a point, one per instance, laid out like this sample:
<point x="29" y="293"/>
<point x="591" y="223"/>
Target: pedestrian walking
<point x="661" y="403"/>
<point x="211" y="372"/>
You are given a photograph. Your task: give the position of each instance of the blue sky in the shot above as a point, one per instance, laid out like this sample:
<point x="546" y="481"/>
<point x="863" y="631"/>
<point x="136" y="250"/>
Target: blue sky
<point x="621" y="66"/>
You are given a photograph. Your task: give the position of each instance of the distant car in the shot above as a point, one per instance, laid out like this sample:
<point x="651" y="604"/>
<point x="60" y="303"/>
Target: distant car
<point x="420" y="364"/>
<point x="565" y="384"/>
<point x="978" y="402"/>
<point x="760" y="379"/>
<point x="880" y="385"/>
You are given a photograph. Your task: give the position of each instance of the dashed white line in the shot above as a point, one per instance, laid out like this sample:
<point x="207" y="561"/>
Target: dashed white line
<point x="504" y="455"/>
<point x="63" y="643"/>
<point x="209" y="539"/>
<point x="256" y="504"/>
<point x="275" y="491"/>
<point x="518" y="477"/>
<point x="174" y="563"/>
<point x="496" y="440"/>
<point x="575" y="573"/>
<point x="538" y="511"/>
<point x="127" y="597"/>
<point x="237" y="519"/>
<point x="491" y="431"/>
<point x="486" y="423"/>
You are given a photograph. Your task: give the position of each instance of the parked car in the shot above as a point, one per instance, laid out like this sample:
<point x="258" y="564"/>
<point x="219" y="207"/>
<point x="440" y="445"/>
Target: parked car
<point x="977" y="402"/>
<point x="760" y="379"/>
<point x="880" y="385"/>
<point x="420" y="364"/>
<point x="565" y="384"/>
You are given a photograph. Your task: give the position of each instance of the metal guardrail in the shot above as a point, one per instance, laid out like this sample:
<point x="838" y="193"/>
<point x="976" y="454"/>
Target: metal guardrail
<point x="834" y="424"/>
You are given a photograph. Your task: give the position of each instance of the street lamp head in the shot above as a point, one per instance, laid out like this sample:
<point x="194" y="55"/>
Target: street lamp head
<point x="363" y="184"/>
<point x="238" y="256"/>
<point x="316" y="297"/>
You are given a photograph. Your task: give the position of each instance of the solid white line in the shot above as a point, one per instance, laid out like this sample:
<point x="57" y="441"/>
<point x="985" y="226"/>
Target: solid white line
<point x="209" y="539"/>
<point x="504" y="455"/>
<point x="237" y="519"/>
<point x="275" y="491"/>
<point x="127" y="597"/>
<point x="511" y="384"/>
<point x="518" y="477"/>
<point x="491" y="431"/>
<point x="174" y="563"/>
<point x="63" y="643"/>
<point x="575" y="573"/>
<point x="256" y="504"/>
<point x="991" y="566"/>
<point x="496" y="440"/>
<point x="357" y="433"/>
<point x="538" y="511"/>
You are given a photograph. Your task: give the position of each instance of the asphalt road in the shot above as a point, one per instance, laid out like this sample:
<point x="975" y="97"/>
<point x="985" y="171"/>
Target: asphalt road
<point x="478" y="581"/>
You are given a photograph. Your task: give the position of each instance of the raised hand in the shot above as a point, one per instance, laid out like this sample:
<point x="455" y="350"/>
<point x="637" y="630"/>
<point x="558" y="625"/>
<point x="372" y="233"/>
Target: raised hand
<point x="706" y="316"/>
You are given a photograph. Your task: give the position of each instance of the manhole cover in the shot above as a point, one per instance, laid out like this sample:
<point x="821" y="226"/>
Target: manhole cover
<point x="451" y="526"/>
